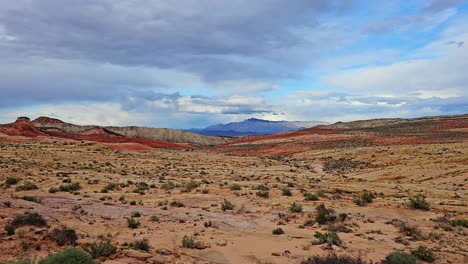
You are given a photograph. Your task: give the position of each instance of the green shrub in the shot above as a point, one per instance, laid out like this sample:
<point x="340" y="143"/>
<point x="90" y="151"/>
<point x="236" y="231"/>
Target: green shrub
<point x="11" y="181"/>
<point x="262" y="188"/>
<point x="70" y="187"/>
<point x="69" y="256"/>
<point x="154" y="218"/>
<point x="27" y="185"/>
<point x="263" y="194"/>
<point x="235" y="187"/>
<point x="419" y="202"/>
<point x="364" y="198"/>
<point x="459" y="222"/>
<point x="399" y="258"/>
<point x="189" y="186"/>
<point x="136" y="214"/>
<point x="10" y="229"/>
<point x="141" y="245"/>
<point x="188" y="242"/>
<point x="334" y="259"/>
<point x="278" y="231"/>
<point x="101" y="249"/>
<point x="295" y="208"/>
<point x="324" y="215"/>
<point x="132" y="223"/>
<point x="286" y="191"/>
<point x="424" y="254"/>
<point x="109" y="187"/>
<point x="331" y="238"/>
<point x="227" y="205"/>
<point x="31" y="199"/>
<point x="34" y="219"/>
<point x="310" y="197"/>
<point x="64" y="236"/>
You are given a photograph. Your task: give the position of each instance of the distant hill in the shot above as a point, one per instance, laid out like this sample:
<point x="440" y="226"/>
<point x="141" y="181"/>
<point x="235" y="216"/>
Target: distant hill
<point x="254" y="126"/>
<point x="154" y="137"/>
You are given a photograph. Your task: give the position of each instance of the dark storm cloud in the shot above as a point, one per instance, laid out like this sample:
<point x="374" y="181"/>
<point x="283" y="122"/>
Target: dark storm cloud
<point x="156" y="33"/>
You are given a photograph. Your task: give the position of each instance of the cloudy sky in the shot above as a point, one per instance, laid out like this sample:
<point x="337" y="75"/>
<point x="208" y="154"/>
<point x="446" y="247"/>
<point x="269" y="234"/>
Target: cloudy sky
<point x="193" y="63"/>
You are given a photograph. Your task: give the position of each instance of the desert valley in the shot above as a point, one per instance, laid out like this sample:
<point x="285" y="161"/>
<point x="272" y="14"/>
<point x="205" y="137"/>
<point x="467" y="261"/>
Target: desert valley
<point x="362" y="190"/>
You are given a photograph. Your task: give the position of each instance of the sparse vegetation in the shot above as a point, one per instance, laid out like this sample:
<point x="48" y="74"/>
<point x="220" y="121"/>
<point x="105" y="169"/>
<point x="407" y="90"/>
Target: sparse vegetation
<point x="26" y="186"/>
<point x="132" y="223"/>
<point x="188" y="242"/>
<point x="69" y="256"/>
<point x="141" y="245"/>
<point x="295" y="208"/>
<point x="329" y="237"/>
<point x="64" y="236"/>
<point x="334" y="259"/>
<point x="423" y="253"/>
<point x="227" y="205"/>
<point x="101" y="249"/>
<point x="278" y="231"/>
<point x="399" y="258"/>
<point x="419" y="202"/>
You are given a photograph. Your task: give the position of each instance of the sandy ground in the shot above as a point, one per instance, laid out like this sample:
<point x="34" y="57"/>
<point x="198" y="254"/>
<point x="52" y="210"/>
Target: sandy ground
<point x="243" y="235"/>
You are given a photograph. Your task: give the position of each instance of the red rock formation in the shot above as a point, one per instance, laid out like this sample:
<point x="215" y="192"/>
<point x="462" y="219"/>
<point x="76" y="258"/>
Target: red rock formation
<point x="23" y="127"/>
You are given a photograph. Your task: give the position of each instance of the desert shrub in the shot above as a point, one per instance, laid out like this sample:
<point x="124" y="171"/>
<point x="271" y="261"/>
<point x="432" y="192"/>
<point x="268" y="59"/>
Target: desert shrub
<point x="132" y="202"/>
<point x="324" y="215"/>
<point x="341" y="228"/>
<point x="136" y="214"/>
<point x="363" y="199"/>
<point x="154" y="218"/>
<point x="459" y="222"/>
<point x="109" y="187"/>
<point x="342" y="217"/>
<point x="399" y="258"/>
<point x="26" y="186"/>
<point x="327" y="237"/>
<point x="424" y="254"/>
<point x="64" y="236"/>
<point x="168" y="186"/>
<point x="10" y="229"/>
<point x="34" y="219"/>
<point x="278" y="231"/>
<point x="132" y="223"/>
<point x="227" y="205"/>
<point x="262" y="188"/>
<point x="419" y="202"/>
<point x="101" y="249"/>
<point x="188" y="242"/>
<point x="407" y="229"/>
<point x="177" y="204"/>
<point x="31" y="199"/>
<point x="189" y="186"/>
<point x="310" y="197"/>
<point x="295" y="208"/>
<point x="334" y="259"/>
<point x="286" y="191"/>
<point x="235" y="187"/>
<point x="69" y="256"/>
<point x="11" y="181"/>
<point x="70" y="187"/>
<point x="141" y="245"/>
<point x="263" y="194"/>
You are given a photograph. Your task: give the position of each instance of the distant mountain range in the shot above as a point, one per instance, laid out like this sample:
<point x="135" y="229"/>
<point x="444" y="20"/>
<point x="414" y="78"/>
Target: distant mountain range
<point x="254" y="126"/>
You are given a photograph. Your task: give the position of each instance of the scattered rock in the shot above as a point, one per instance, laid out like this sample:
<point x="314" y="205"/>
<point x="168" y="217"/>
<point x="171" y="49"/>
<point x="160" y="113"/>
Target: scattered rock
<point x="398" y="247"/>
<point x="336" y="248"/>
<point x="221" y="243"/>
<point x="201" y="245"/>
<point x="164" y="251"/>
<point x="158" y="259"/>
<point x="137" y="254"/>
<point x="276" y="254"/>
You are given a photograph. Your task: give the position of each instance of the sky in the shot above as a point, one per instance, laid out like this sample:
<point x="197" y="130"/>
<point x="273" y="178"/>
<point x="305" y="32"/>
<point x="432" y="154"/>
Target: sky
<point x="194" y="63"/>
